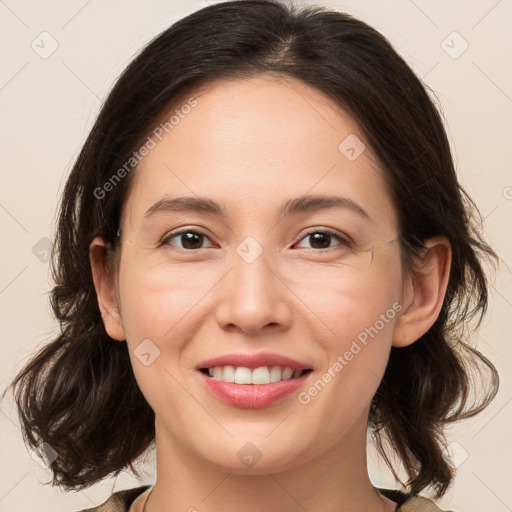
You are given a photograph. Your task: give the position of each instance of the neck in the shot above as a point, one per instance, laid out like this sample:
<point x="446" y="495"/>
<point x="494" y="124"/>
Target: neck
<point x="333" y="481"/>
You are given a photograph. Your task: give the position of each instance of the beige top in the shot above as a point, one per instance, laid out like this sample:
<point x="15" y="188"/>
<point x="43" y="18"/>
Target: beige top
<point x="121" y="501"/>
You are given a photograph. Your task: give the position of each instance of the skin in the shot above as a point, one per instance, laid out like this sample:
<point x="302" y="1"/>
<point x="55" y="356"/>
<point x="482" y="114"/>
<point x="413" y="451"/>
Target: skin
<point x="251" y="145"/>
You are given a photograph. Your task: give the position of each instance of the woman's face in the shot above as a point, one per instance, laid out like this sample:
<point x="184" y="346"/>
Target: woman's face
<point x="256" y="281"/>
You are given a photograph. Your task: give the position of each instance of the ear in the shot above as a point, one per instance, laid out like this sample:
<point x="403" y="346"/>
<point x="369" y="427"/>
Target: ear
<point x="105" y="290"/>
<point x="424" y="293"/>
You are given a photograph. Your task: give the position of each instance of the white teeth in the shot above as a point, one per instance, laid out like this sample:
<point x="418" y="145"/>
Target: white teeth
<point x="261" y="375"/>
<point x="275" y="374"/>
<point x="242" y="375"/>
<point x="225" y="373"/>
<point x="229" y="374"/>
<point x="287" y="373"/>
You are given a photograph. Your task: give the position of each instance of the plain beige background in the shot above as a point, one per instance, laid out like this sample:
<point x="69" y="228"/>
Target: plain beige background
<point x="49" y="101"/>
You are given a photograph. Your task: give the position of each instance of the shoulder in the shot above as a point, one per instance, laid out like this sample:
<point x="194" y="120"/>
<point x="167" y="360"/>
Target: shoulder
<point x="408" y="502"/>
<point x="120" y="501"/>
<point x="420" y="504"/>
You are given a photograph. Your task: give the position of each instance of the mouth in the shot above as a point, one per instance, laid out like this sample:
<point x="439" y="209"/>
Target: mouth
<point x="254" y="376"/>
<point x="247" y="388"/>
<point x="253" y="381"/>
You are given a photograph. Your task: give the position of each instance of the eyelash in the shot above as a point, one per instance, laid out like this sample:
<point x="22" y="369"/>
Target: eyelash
<point x="344" y="240"/>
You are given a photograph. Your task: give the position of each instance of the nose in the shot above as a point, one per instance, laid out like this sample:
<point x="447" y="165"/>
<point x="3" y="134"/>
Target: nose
<point x="253" y="297"/>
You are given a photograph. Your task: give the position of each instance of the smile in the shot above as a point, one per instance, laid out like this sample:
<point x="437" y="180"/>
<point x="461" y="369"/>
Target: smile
<point x="261" y="375"/>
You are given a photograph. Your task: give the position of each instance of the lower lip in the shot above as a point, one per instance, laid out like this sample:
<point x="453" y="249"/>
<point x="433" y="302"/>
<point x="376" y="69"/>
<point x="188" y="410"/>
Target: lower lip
<point x="252" y="396"/>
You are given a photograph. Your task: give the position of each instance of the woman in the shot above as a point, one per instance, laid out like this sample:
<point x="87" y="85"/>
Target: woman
<point x="201" y="306"/>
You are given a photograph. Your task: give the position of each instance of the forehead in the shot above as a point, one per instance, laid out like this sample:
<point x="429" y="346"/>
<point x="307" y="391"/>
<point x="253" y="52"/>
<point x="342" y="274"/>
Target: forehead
<point x="255" y="143"/>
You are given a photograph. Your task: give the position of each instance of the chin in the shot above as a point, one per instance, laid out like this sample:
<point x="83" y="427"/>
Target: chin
<point x="258" y="456"/>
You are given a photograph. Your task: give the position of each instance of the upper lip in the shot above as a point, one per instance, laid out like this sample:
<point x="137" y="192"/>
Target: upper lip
<point x="253" y="361"/>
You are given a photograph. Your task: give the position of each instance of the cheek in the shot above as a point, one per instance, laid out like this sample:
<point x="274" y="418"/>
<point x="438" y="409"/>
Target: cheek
<point x="357" y="347"/>
<point x="342" y="308"/>
<point x="363" y="334"/>
<point x="156" y="308"/>
<point x="154" y="301"/>
<point x="355" y="329"/>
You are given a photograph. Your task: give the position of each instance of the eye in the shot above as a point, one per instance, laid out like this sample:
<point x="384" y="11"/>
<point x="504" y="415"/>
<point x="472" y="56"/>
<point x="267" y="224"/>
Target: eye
<point x="321" y="239"/>
<point x="190" y="239"/>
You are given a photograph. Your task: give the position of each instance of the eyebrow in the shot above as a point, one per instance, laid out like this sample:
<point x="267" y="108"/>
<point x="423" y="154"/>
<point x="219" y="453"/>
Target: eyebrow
<point x="302" y="204"/>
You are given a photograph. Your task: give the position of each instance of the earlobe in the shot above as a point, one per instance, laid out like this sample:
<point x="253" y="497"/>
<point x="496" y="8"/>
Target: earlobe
<point x="105" y="290"/>
<point x="424" y="293"/>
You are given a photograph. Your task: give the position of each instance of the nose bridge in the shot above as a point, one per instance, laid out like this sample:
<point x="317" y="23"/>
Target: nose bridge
<point x="253" y="296"/>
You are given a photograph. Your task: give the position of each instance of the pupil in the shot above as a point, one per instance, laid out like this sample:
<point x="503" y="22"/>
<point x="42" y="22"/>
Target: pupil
<point x="319" y="237"/>
<point x="189" y="240"/>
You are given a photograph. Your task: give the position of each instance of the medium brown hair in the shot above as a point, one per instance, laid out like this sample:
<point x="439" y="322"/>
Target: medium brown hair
<point x="79" y="394"/>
